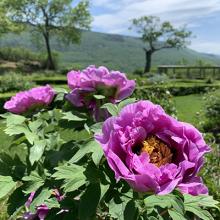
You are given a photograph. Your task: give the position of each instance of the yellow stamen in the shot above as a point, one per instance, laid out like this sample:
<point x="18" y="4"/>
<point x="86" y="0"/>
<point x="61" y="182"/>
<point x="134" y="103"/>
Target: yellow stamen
<point x="159" y="153"/>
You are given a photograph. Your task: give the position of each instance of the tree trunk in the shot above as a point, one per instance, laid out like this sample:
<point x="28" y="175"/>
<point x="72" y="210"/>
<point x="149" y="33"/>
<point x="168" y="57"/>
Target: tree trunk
<point x="49" y="63"/>
<point x="148" y="54"/>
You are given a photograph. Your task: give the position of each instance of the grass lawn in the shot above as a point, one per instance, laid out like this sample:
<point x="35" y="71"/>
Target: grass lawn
<point x="188" y="106"/>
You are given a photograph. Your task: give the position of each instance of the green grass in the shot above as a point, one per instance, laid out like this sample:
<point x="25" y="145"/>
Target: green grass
<point x="188" y="107"/>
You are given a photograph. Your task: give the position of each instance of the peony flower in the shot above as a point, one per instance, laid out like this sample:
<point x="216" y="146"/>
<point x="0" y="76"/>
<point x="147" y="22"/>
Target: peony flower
<point x="113" y="85"/>
<point x="31" y="99"/>
<point x="152" y="151"/>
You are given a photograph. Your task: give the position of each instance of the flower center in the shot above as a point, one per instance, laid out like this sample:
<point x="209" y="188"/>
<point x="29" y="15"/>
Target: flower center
<point x="159" y="153"/>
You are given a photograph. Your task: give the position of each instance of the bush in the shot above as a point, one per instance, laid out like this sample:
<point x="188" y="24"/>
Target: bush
<point x="161" y="96"/>
<point x="14" y="82"/>
<point x="158" y="78"/>
<point x="18" y="54"/>
<point x="138" y="72"/>
<point x="212" y="111"/>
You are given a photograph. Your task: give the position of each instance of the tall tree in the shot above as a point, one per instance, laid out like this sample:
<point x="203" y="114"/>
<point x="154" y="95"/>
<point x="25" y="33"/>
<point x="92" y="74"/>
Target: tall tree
<point x="159" y="35"/>
<point x="60" y="18"/>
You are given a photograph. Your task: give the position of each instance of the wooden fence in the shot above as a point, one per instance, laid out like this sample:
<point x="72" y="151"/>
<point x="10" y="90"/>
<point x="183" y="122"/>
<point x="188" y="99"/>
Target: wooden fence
<point x="191" y="72"/>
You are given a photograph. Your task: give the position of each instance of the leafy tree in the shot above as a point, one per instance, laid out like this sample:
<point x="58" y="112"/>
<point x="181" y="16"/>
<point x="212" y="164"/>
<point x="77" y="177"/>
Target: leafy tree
<point x="62" y="18"/>
<point x="5" y="24"/>
<point x="159" y="35"/>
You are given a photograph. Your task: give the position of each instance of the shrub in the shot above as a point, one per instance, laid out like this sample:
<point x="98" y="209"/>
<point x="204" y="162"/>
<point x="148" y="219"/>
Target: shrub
<point x="212" y="111"/>
<point x="138" y="72"/>
<point x="18" y="54"/>
<point x="158" y="78"/>
<point x="12" y="81"/>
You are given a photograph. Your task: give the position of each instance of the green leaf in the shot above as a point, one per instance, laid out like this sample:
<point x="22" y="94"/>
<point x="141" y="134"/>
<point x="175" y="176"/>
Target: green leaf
<point x="52" y="203"/>
<point x="35" y="125"/>
<point x="202" y="214"/>
<point x="33" y="182"/>
<point x="97" y="155"/>
<point x="201" y="200"/>
<point x="40" y="199"/>
<point x="71" y="117"/>
<point x="6" y="185"/>
<point x="97" y="128"/>
<point x="73" y="176"/>
<point x="176" y="215"/>
<point x="89" y="201"/>
<point x="13" y="119"/>
<point x="99" y="96"/>
<point x="90" y="147"/>
<point x="37" y="150"/>
<point x="112" y="109"/>
<point x="130" y="210"/>
<point x="125" y="102"/>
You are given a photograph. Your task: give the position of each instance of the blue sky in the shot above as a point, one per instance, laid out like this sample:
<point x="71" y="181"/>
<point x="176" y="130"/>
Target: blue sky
<point x="202" y="17"/>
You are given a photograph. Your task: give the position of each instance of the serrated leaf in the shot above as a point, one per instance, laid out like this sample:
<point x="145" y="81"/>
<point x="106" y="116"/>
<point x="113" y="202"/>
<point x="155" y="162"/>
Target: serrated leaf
<point x="35" y="125"/>
<point x="99" y="96"/>
<point x="37" y="150"/>
<point x="6" y="185"/>
<point x="40" y="199"/>
<point x="112" y="109"/>
<point x="13" y="119"/>
<point x="33" y="182"/>
<point x="52" y="203"/>
<point x="89" y="201"/>
<point x="71" y="117"/>
<point x="125" y="102"/>
<point x="176" y="215"/>
<point x="89" y="147"/>
<point x="73" y="176"/>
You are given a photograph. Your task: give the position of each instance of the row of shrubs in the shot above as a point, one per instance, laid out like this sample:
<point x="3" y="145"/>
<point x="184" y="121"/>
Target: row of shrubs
<point x="35" y="60"/>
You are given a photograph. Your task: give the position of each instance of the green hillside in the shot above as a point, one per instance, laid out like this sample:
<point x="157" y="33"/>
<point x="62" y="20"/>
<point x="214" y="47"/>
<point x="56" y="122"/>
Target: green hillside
<point x="115" y="51"/>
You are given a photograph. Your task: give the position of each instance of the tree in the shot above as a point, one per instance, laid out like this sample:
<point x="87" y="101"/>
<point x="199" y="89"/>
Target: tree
<point x="159" y="35"/>
<point x="57" y="18"/>
<point x="5" y="24"/>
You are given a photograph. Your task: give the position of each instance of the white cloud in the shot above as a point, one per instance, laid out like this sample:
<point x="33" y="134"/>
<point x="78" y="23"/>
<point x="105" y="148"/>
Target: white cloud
<point x="206" y="47"/>
<point x="177" y="11"/>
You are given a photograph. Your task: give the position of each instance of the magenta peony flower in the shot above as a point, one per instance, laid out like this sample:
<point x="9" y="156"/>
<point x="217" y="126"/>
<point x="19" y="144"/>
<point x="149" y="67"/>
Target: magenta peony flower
<point x="33" y="98"/>
<point x="152" y="151"/>
<point x="114" y="85"/>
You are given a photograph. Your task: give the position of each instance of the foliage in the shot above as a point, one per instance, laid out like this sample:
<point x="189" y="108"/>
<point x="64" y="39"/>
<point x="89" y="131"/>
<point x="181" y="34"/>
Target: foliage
<point x="212" y="111"/>
<point x="48" y="18"/>
<point x="76" y="168"/>
<point x="159" y="36"/>
<point x="14" y="82"/>
<point x="18" y="54"/>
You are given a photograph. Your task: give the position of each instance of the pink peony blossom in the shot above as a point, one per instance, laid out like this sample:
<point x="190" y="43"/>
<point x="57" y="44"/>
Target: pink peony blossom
<point x="114" y="85"/>
<point x="152" y="151"/>
<point x="33" y="98"/>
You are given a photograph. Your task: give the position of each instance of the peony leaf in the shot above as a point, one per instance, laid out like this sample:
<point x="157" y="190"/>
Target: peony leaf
<point x="71" y="117"/>
<point x="37" y="150"/>
<point x="13" y="119"/>
<point x="202" y="214"/>
<point x="6" y="185"/>
<point x="201" y="200"/>
<point x="126" y="102"/>
<point x="73" y="176"/>
<point x="99" y="96"/>
<point x="90" y="147"/>
<point x="176" y="215"/>
<point x="89" y="201"/>
<point x="43" y="196"/>
<point x="33" y="182"/>
<point x="112" y="109"/>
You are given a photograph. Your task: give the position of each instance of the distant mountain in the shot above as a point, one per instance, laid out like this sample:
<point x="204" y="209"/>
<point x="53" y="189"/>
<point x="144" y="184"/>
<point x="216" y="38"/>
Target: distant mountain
<point x="114" y="51"/>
